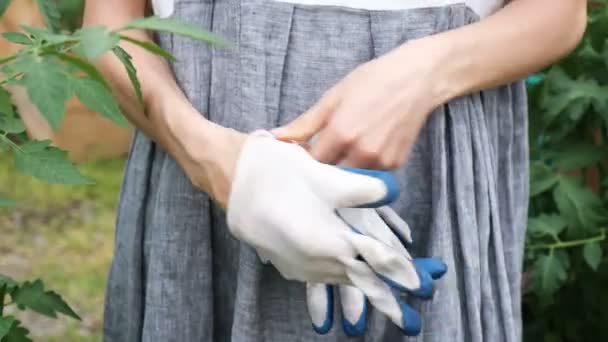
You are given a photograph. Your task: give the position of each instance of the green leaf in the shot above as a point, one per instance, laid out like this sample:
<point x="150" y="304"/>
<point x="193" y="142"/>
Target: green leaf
<point x="17" y="38"/>
<point x="6" y="104"/>
<point x="99" y="99"/>
<point x="6" y="202"/>
<point x="48" y="303"/>
<point x="545" y="224"/>
<point x="581" y="207"/>
<point x="95" y="41"/>
<point x="571" y="97"/>
<point x="592" y="252"/>
<point x="84" y="66"/>
<point x="178" y="27"/>
<point x="550" y="272"/>
<point x="578" y="156"/>
<point x="542" y="178"/>
<point x="47" y="84"/>
<point x="125" y="58"/>
<point x="9" y="121"/>
<point x="50" y="13"/>
<point x="6" y="280"/>
<point x="150" y="46"/>
<point x="3" y="6"/>
<point x="6" y="323"/>
<point x="47" y="163"/>
<point x="34" y="146"/>
<point x="10" y="124"/>
<point x="17" y="333"/>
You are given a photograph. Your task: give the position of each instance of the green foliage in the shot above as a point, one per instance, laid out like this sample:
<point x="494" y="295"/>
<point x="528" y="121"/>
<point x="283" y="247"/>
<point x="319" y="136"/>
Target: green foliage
<point x="39" y="159"/>
<point x="3" y="6"/>
<point x="28" y="296"/>
<point x="34" y="297"/>
<point x="50" y="13"/>
<point x="71" y="13"/>
<point x="48" y="84"/>
<point x="54" y="66"/>
<point x="565" y="300"/>
<point x="177" y="27"/>
<point x="125" y="58"/>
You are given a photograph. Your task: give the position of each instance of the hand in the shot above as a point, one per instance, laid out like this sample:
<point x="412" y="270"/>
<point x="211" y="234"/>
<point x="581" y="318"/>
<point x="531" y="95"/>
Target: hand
<point x="283" y="203"/>
<point x="373" y="116"/>
<point x="386" y="226"/>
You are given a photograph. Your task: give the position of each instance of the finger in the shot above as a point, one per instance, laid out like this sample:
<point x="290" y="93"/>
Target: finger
<point x="367" y="222"/>
<point x="393" y="267"/>
<point x="396" y="223"/>
<point x="328" y="147"/>
<point x="320" y="301"/>
<point x="310" y="122"/>
<point x="354" y="310"/>
<point x="361" y="157"/>
<point x="349" y="187"/>
<point x="382" y="297"/>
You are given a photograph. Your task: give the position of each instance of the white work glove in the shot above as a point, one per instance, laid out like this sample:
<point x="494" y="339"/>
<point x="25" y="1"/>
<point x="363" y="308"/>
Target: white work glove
<point x="384" y="225"/>
<point x="283" y="203"/>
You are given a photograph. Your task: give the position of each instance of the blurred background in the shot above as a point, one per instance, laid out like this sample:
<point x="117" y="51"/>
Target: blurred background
<point x="64" y="234"/>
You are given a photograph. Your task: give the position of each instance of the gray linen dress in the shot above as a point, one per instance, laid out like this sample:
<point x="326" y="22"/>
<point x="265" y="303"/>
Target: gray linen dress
<point x="178" y="275"/>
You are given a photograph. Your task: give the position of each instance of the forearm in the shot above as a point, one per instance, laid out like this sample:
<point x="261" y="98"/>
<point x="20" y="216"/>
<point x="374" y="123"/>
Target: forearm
<point x="522" y="38"/>
<point x="205" y="151"/>
<point x="158" y="86"/>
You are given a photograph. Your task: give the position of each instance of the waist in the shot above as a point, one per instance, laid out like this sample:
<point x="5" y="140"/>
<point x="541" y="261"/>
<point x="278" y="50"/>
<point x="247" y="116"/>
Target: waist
<point x="377" y="4"/>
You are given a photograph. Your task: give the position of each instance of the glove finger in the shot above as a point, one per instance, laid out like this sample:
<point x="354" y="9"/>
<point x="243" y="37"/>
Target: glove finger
<point x="354" y="310"/>
<point x="349" y="187"/>
<point x="367" y="222"/>
<point x="393" y="267"/>
<point x="397" y="224"/>
<point x="435" y="267"/>
<point x="383" y="298"/>
<point x="264" y="258"/>
<point x="320" y="301"/>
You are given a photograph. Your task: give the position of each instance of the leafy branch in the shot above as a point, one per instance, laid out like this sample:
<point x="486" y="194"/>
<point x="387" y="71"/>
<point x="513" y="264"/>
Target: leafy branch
<point x="568" y="214"/>
<point x="568" y="244"/>
<point x="54" y="66"/>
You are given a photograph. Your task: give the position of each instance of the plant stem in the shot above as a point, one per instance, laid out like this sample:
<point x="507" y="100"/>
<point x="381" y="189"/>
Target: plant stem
<point x="5" y="81"/>
<point x="9" y="142"/>
<point x="8" y="59"/>
<point x="2" y="294"/>
<point x="567" y="244"/>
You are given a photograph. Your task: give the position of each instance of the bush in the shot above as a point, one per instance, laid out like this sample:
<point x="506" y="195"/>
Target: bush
<point x="565" y="293"/>
<point x="53" y="66"/>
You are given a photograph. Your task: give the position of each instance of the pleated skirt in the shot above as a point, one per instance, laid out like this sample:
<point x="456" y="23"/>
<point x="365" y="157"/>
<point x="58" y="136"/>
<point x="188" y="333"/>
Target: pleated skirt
<point x="178" y="275"/>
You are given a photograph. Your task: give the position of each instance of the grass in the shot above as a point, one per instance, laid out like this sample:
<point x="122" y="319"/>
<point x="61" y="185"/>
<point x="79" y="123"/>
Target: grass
<point x="63" y="235"/>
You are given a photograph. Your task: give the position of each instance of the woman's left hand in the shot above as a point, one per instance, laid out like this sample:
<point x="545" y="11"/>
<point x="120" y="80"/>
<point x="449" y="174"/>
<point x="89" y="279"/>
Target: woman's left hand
<point x="371" y="118"/>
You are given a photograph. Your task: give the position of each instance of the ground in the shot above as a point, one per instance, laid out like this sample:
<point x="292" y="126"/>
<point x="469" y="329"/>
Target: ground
<point x="63" y="235"/>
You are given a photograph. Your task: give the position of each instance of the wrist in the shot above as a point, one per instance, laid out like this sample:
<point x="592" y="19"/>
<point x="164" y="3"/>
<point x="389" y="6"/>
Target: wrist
<point x="438" y="59"/>
<point x="207" y="152"/>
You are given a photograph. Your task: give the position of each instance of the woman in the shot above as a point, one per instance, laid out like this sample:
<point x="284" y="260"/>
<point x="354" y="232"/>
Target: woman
<point x="427" y="87"/>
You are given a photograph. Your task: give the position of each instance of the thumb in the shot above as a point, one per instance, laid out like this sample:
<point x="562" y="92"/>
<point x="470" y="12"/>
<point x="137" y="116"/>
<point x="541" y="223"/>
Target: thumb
<point x="310" y="122"/>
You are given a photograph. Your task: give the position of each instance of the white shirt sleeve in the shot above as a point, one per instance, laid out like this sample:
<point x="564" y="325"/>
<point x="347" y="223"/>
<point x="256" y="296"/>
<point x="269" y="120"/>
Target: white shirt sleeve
<point x="163" y="8"/>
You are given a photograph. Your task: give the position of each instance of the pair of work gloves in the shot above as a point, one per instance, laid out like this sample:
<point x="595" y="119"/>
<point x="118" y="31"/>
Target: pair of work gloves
<point x="327" y="225"/>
